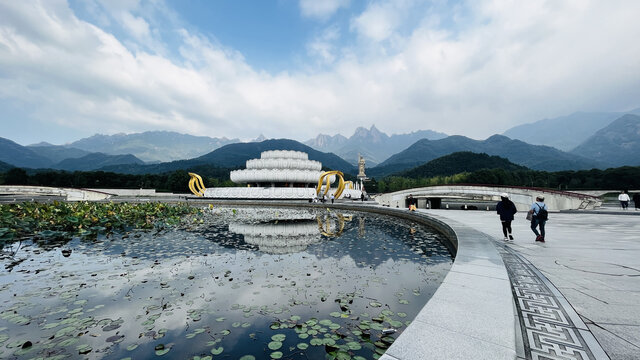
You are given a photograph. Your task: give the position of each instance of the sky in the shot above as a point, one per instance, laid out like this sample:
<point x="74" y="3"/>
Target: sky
<point x="298" y="68"/>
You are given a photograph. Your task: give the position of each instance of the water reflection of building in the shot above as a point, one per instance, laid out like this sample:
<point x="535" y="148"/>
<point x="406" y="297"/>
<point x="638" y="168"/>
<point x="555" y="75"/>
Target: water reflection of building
<point x="281" y="237"/>
<point x="289" y="232"/>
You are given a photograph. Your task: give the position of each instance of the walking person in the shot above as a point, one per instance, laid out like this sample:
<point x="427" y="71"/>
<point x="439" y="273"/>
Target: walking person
<point x="624" y="200"/>
<point x="539" y="216"/>
<point x="506" y="209"/>
<point x="636" y="200"/>
<point x="332" y="198"/>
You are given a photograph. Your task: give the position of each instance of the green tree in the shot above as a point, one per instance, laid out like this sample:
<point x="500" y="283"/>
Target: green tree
<point x="16" y="176"/>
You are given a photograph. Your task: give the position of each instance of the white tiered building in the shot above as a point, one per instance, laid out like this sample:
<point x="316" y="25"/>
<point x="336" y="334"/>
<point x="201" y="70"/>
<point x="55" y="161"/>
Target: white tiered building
<point x="278" y="174"/>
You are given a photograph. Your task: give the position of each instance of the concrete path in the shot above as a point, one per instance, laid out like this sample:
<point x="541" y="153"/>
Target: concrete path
<point x="592" y="258"/>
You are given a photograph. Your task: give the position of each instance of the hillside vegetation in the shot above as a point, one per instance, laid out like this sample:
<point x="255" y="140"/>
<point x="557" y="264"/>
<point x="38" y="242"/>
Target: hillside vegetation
<point x="459" y="162"/>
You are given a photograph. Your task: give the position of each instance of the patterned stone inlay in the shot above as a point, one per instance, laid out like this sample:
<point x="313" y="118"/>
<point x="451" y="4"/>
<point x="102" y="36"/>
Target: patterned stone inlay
<point x="547" y="328"/>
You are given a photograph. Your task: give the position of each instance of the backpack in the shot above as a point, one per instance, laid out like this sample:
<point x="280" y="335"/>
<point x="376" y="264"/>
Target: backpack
<point x="543" y="214"/>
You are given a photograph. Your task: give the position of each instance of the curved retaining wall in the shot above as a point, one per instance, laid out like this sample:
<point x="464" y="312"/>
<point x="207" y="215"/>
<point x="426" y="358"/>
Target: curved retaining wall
<point x="471" y="315"/>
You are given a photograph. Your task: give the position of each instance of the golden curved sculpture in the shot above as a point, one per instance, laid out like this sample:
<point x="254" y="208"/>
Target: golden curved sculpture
<point x="196" y="185"/>
<point x="327" y="175"/>
<point x="348" y="184"/>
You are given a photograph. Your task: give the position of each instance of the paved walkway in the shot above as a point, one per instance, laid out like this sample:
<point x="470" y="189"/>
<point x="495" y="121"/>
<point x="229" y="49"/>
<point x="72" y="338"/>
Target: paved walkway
<point x="593" y="259"/>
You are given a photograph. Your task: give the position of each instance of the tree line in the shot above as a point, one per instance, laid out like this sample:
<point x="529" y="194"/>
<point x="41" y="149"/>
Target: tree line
<point x="175" y="181"/>
<point x="621" y="178"/>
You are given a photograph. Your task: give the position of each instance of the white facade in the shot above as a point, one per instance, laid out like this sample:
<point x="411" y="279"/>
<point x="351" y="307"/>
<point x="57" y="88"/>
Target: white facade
<point x="293" y="168"/>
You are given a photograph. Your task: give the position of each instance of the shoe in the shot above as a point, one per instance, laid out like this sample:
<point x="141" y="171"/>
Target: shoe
<point x="506" y="238"/>
<point x="538" y="238"/>
<point x="511" y="237"/>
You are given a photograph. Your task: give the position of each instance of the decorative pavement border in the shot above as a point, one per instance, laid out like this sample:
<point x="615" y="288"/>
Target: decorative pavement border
<point x="551" y="329"/>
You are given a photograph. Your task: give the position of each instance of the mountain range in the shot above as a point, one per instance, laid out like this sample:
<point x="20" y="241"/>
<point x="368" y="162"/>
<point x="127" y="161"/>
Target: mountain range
<point x="47" y="156"/>
<point x="537" y="157"/>
<point x="565" y="132"/>
<point x="152" y="146"/>
<point x="615" y="144"/>
<point x="374" y="145"/>
<point x="235" y="156"/>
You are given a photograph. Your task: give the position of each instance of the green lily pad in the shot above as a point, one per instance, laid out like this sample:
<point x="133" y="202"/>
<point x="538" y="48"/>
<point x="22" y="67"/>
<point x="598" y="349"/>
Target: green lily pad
<point x="276" y="355"/>
<point x="217" y="351"/>
<point x="275" y="345"/>
<point x="162" y="351"/>
<point x="248" y="357"/>
<point x="279" y="337"/>
<point x="84" y="349"/>
<point x="303" y="346"/>
<point x="342" y="355"/>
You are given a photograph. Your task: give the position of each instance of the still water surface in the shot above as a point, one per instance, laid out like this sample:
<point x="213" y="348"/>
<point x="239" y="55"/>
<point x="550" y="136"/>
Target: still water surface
<point x="243" y="284"/>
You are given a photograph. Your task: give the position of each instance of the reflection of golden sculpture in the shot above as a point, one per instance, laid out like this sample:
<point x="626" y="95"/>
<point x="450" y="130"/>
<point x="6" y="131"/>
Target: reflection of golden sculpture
<point x="361" y="227"/>
<point x="327" y="175"/>
<point x="196" y="185"/>
<point x="325" y="228"/>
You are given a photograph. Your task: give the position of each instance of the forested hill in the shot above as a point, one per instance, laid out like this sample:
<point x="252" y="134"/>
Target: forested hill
<point x="5" y="167"/>
<point x="459" y="162"/>
<point x="617" y="144"/>
<point x="235" y="156"/>
<point x="536" y="157"/>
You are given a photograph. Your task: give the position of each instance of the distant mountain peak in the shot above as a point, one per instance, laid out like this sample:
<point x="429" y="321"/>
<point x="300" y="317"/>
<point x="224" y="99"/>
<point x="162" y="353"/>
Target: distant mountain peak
<point x="372" y="134"/>
<point x="41" y="143"/>
<point x="259" y="138"/>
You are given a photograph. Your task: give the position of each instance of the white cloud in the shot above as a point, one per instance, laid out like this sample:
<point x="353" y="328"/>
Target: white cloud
<point x="510" y="63"/>
<point x="324" y="46"/>
<point x="376" y="23"/>
<point x="321" y="9"/>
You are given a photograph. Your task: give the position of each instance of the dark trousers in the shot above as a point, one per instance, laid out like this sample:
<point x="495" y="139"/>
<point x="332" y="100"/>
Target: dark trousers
<point x="535" y="223"/>
<point x="506" y="227"/>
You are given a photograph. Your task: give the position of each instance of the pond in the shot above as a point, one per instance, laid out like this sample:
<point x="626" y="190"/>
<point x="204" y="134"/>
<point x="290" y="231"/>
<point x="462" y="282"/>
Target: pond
<point x="239" y="283"/>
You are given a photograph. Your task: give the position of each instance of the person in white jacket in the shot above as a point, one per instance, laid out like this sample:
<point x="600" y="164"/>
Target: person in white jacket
<point x="624" y="200"/>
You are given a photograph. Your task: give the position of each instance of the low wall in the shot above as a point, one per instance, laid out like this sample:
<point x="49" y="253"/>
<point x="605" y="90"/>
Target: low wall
<point x="130" y="192"/>
<point x="71" y="194"/>
<point x="521" y="197"/>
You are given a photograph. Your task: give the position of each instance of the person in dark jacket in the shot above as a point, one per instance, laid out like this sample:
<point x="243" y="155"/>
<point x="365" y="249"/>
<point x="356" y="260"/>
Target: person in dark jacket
<point x="506" y="209"/>
<point x="636" y="200"/>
